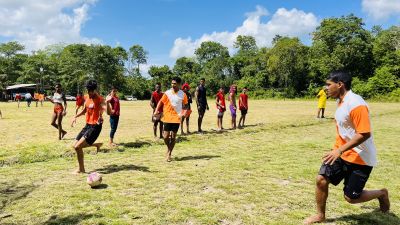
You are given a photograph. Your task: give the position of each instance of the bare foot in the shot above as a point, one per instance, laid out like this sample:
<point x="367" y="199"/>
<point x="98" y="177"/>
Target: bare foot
<point x="314" y="219"/>
<point x="77" y="172"/>
<point x="384" y="203"/>
<point x="98" y="146"/>
<point x="113" y="145"/>
<point x="63" y="134"/>
<point x="169" y="159"/>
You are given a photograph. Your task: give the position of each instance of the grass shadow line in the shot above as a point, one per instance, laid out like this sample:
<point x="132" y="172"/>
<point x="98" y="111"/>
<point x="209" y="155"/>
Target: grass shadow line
<point x="117" y="168"/>
<point x="136" y="144"/>
<point x="371" y="218"/>
<point x="71" y="220"/>
<point x="10" y="192"/>
<point x="198" y="157"/>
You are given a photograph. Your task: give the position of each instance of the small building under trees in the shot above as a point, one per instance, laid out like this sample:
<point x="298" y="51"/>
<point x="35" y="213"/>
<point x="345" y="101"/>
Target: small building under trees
<point x="12" y="90"/>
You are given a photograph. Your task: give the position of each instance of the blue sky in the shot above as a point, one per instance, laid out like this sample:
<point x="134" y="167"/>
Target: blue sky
<point x="168" y="29"/>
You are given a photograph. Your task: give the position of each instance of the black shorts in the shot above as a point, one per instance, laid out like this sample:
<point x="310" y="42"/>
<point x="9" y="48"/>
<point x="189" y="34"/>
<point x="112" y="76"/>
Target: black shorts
<point x="174" y="127"/>
<point x="355" y="176"/>
<point x="243" y="111"/>
<point x="90" y="133"/>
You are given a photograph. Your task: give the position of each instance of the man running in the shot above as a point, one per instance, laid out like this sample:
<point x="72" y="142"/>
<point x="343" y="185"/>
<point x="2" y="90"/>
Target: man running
<point x="18" y="98"/>
<point x="321" y="102"/>
<point x="353" y="155"/>
<point x="41" y="99"/>
<point x="220" y="102"/>
<point x="113" y="100"/>
<point x="155" y="98"/>
<point x="59" y="110"/>
<point x="232" y="105"/>
<point x="93" y="108"/>
<point x="243" y="107"/>
<point x="79" y="102"/>
<point x="201" y="101"/>
<point x="28" y="98"/>
<point x="173" y="103"/>
<point x="36" y="97"/>
<point x="186" y="89"/>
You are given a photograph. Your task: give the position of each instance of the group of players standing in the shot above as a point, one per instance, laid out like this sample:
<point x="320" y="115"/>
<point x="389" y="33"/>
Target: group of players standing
<point x="200" y="96"/>
<point x="172" y="108"/>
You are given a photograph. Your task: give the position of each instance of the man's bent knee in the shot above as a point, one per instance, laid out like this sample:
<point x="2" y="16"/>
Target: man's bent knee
<point x="321" y="181"/>
<point x="351" y="196"/>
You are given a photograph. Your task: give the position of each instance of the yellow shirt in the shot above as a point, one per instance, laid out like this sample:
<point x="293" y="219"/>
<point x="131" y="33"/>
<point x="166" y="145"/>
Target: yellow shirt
<point x="321" y="99"/>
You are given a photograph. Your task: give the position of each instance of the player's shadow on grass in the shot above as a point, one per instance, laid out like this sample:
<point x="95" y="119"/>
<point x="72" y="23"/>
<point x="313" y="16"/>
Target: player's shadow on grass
<point x="10" y="192"/>
<point x="72" y="219"/>
<point x="136" y="144"/>
<point x="117" y="168"/>
<point x="372" y="218"/>
<point x="197" y="157"/>
<point x="251" y="125"/>
<point x="101" y="186"/>
<point x="181" y="139"/>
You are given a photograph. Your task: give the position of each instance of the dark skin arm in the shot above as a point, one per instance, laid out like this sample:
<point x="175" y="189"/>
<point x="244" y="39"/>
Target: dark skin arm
<point x="333" y="155"/>
<point x="65" y="105"/>
<point x="108" y="103"/>
<point x="152" y="103"/>
<point x="157" y="110"/>
<point x="76" y="116"/>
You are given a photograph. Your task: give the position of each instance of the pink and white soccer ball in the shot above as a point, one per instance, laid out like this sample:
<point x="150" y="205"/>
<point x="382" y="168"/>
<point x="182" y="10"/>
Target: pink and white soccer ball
<point x="94" y="179"/>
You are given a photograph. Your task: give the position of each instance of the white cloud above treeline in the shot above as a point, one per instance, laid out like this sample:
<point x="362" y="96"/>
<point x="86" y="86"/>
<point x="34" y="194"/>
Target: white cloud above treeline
<point x="283" y="22"/>
<point x="39" y="23"/>
<point x="381" y="9"/>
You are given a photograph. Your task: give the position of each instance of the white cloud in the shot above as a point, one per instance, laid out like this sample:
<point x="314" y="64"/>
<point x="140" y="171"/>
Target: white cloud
<point x="292" y="23"/>
<point x="381" y="9"/>
<point x="39" y="23"/>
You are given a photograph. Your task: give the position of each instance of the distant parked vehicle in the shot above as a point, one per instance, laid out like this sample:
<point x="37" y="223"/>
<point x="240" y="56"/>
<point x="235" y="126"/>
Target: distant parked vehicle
<point x="70" y="98"/>
<point x="130" y="98"/>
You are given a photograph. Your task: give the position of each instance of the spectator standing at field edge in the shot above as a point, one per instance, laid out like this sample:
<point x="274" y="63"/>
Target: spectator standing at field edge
<point x="113" y="100"/>
<point x="201" y="101"/>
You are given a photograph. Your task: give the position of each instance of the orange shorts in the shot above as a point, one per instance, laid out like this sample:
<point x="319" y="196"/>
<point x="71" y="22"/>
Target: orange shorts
<point x="58" y="108"/>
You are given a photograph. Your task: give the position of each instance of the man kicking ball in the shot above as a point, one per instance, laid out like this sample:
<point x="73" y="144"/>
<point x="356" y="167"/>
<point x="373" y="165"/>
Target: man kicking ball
<point x="93" y="108"/>
<point x="173" y="102"/>
<point x="354" y="153"/>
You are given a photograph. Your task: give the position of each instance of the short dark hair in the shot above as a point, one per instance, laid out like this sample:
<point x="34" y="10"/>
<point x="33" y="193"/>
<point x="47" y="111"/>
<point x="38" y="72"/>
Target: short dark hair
<point x="58" y="84"/>
<point x="177" y="79"/>
<point x="341" y="76"/>
<point x="113" y="88"/>
<point x="91" y="85"/>
<point x="158" y="83"/>
<point x="203" y="79"/>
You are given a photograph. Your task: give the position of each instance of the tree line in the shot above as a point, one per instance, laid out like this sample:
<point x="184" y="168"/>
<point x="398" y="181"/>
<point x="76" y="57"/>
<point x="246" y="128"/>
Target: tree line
<point x="287" y="69"/>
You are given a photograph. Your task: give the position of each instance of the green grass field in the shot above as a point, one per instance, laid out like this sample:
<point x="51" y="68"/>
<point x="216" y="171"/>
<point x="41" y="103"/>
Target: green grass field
<point x="263" y="174"/>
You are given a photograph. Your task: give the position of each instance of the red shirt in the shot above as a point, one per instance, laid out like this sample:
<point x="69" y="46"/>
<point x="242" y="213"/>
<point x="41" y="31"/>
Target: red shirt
<point x="115" y="106"/>
<point x="221" y="100"/>
<point x="18" y="96"/>
<point x="79" y="100"/>
<point x="243" y="101"/>
<point x="157" y="97"/>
